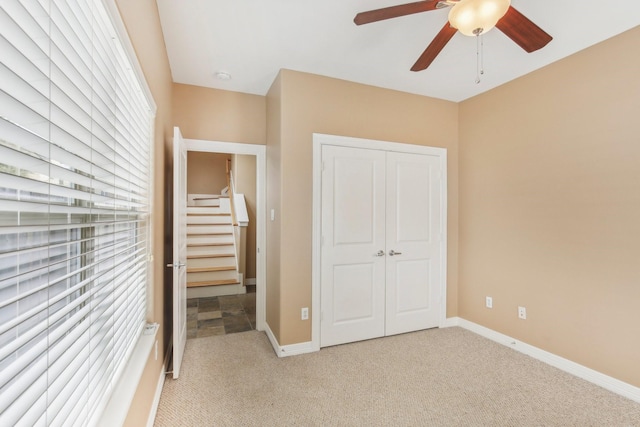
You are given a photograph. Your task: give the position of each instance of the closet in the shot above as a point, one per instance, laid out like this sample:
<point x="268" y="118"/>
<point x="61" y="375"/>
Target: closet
<point x="382" y="242"/>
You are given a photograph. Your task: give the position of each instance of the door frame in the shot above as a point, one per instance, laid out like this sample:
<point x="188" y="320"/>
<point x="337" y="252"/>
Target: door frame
<point x="320" y="140"/>
<point x="260" y="152"/>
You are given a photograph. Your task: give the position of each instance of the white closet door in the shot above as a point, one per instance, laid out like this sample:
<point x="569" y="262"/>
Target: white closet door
<point x="413" y="233"/>
<point x="352" y="256"/>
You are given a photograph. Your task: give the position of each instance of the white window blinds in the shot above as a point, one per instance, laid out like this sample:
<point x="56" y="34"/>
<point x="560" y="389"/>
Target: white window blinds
<point x="75" y="135"/>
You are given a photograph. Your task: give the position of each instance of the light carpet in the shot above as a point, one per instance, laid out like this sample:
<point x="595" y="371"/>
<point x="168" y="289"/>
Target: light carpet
<point x="438" y="377"/>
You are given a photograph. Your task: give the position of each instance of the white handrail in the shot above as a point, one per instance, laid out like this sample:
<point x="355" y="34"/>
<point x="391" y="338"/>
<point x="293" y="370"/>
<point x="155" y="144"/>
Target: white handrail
<point x="239" y="203"/>
<point x="242" y="216"/>
<point x="241" y="221"/>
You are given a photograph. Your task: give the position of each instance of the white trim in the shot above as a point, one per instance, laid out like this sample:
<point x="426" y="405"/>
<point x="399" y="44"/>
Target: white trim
<point x="318" y="141"/>
<point x="609" y="383"/>
<point x="374" y="144"/>
<point x="288" y="350"/>
<point x="249" y="282"/>
<point x="113" y="12"/>
<point x="450" y="321"/>
<point x="156" y="398"/>
<point x="121" y="398"/>
<point x="316" y="243"/>
<point x="444" y="212"/>
<point x="260" y="151"/>
<point x="123" y="34"/>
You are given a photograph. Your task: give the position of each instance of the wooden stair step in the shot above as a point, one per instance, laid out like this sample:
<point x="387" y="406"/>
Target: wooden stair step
<point x="210" y="256"/>
<point x="211" y="244"/>
<point x="207" y="210"/>
<point x="207" y="213"/>
<point x="213" y="283"/>
<point x="209" y="238"/>
<point x="209" y="233"/>
<point x="210" y="250"/>
<point x="207" y="269"/>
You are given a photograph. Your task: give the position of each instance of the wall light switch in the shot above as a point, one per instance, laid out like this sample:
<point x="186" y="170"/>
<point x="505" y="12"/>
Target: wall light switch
<point x="273" y="214"/>
<point x="488" y="302"/>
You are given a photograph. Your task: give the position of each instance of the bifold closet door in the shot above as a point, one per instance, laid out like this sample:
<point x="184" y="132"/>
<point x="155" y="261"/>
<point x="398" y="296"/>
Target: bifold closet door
<point x="352" y="255"/>
<point x="381" y="235"/>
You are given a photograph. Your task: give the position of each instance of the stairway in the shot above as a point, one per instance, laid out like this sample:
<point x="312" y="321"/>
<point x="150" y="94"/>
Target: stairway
<point x="211" y="256"/>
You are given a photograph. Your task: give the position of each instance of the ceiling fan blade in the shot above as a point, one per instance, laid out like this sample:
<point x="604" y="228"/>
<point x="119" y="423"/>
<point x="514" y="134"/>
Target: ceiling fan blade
<point x="394" y="11"/>
<point x="521" y="30"/>
<point x="434" y="48"/>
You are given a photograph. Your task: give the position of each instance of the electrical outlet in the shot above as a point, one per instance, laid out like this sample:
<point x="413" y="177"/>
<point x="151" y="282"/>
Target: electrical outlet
<point x="488" y="302"/>
<point x="304" y="313"/>
<point x="522" y="312"/>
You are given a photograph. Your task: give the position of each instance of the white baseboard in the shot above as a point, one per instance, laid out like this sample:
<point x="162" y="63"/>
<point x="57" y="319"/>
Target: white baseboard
<point x="250" y="281"/>
<point x="612" y="384"/>
<point x="156" y="398"/>
<point x="451" y="321"/>
<point x="288" y="350"/>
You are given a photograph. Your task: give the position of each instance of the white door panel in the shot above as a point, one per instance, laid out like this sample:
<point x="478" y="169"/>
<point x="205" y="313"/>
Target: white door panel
<point x="412" y="231"/>
<point x="179" y="250"/>
<point x="354" y="198"/>
<point x="353" y="233"/>
<point x="408" y="183"/>
<point x="412" y="287"/>
<point x="354" y="295"/>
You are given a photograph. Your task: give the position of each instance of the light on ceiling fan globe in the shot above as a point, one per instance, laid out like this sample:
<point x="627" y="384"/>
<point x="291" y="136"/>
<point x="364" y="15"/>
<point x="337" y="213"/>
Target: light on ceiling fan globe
<point x="467" y="16"/>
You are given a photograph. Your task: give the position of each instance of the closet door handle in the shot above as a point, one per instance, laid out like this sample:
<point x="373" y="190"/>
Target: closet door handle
<point x="392" y="253"/>
<point x="380" y="253"/>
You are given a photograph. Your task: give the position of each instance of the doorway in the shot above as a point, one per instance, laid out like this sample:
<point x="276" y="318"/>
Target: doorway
<point x="379" y="263"/>
<point x="259" y="152"/>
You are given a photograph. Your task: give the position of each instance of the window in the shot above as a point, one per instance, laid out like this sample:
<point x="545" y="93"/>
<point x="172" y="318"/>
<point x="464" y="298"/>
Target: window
<point x="75" y="140"/>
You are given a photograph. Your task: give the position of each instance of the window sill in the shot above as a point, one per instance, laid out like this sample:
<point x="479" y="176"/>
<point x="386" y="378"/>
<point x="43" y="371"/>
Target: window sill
<point x="117" y="408"/>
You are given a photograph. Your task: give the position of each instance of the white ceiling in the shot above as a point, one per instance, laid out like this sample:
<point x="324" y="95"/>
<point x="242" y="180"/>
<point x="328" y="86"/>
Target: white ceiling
<point x="253" y="39"/>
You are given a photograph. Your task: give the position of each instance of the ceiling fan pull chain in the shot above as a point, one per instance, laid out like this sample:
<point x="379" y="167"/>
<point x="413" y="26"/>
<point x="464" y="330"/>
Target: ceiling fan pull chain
<point x="481" y="53"/>
<point x="477" y="58"/>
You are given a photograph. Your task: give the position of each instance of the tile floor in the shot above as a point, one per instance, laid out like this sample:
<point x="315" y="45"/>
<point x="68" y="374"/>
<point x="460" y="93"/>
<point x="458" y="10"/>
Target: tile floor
<point x="221" y="315"/>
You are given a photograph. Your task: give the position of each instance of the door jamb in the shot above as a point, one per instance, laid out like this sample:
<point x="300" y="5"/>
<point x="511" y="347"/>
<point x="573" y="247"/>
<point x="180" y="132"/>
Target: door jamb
<point x="319" y="140"/>
<point x="261" y="191"/>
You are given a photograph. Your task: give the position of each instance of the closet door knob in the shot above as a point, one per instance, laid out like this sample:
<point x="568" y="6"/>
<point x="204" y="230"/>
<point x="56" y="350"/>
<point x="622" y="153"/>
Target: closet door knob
<point x="380" y="253"/>
<point x="392" y="253"/>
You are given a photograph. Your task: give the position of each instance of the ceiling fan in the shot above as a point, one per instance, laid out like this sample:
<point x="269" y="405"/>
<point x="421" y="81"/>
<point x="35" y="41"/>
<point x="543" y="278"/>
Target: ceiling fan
<point x="470" y="17"/>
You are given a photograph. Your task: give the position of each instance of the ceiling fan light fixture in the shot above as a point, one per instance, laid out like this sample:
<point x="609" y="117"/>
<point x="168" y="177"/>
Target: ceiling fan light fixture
<point x="474" y="17"/>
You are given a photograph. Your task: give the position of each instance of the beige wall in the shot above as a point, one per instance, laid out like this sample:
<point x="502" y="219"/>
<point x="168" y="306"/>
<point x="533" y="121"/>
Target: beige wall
<point x="219" y="115"/>
<point x="244" y="173"/>
<point x="311" y="103"/>
<point x="143" y="25"/>
<point x="274" y="197"/>
<point x="206" y="172"/>
<point x="550" y="207"/>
